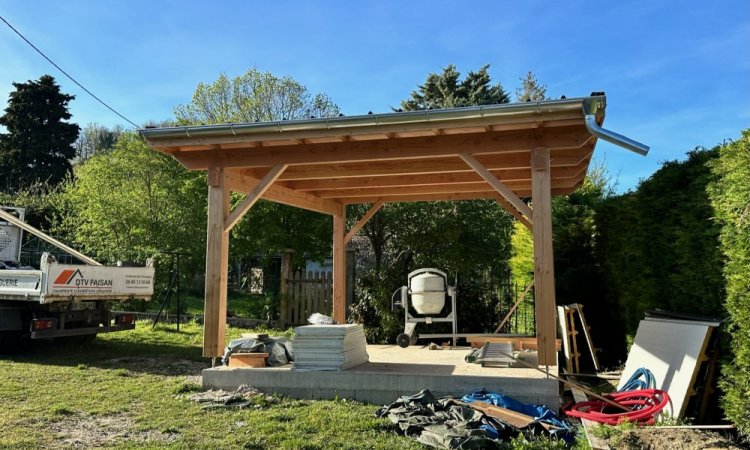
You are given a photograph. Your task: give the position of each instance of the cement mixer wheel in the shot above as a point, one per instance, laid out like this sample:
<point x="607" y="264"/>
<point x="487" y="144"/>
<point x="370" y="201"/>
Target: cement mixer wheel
<point x="403" y="340"/>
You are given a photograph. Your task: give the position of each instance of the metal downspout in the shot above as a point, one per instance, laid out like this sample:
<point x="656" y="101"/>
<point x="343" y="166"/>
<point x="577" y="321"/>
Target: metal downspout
<point x="614" y="138"/>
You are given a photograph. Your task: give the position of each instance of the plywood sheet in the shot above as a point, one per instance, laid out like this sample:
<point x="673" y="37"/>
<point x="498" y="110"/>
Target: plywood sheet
<point x="672" y="351"/>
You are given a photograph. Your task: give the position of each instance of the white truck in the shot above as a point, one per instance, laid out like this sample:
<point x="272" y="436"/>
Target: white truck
<point x="60" y="300"/>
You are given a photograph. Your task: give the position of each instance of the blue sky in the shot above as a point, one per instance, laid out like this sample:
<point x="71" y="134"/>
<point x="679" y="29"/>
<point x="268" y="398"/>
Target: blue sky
<point x="676" y="74"/>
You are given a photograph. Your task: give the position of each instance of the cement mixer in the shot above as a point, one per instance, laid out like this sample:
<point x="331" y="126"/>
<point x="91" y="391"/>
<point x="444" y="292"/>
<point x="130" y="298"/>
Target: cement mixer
<point x="423" y="301"/>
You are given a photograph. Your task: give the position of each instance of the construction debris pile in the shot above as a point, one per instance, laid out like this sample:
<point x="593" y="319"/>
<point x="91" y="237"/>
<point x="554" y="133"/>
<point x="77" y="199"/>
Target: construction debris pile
<point x="481" y="420"/>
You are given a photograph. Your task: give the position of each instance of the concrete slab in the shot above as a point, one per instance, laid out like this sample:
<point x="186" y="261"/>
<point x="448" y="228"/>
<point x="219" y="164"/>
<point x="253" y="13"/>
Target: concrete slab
<point x="392" y="372"/>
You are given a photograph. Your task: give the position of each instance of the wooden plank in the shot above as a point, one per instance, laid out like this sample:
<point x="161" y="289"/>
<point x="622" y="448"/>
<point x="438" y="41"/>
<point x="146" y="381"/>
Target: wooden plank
<point x="498" y="185"/>
<point x="243" y="183"/>
<point x="361" y="222"/>
<point x="385" y="149"/>
<point x="587" y="335"/>
<point x="573" y="333"/>
<point x="516" y="419"/>
<point x="248" y="360"/>
<point x="595" y="442"/>
<point x="339" y="267"/>
<point x="217" y="260"/>
<point x="565" y="333"/>
<point x="544" y="271"/>
<point x="253" y="196"/>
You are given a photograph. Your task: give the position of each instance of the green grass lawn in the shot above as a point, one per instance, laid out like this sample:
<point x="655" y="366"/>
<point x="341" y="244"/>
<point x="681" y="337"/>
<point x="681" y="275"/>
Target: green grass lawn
<point x="129" y="389"/>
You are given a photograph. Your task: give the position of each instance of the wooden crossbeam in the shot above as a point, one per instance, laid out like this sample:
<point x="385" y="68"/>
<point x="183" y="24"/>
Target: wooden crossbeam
<point x="496" y="184"/>
<point x="427" y="179"/>
<point x="253" y="196"/>
<point x="445" y="197"/>
<point x="242" y="183"/>
<point x="506" y="163"/>
<point x="361" y="222"/>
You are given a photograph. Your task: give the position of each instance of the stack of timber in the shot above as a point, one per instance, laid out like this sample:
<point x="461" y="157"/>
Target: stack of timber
<point x="566" y="316"/>
<point x="329" y="347"/>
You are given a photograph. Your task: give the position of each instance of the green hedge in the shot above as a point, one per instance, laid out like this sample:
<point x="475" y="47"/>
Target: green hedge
<point x="730" y="195"/>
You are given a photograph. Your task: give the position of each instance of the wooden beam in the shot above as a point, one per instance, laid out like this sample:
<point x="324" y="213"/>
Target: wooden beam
<point x="253" y="196"/>
<point x="516" y="186"/>
<point x="498" y="185"/>
<point x="217" y="256"/>
<point x="416" y="166"/>
<point x="361" y="222"/>
<point x="452" y="196"/>
<point x="428" y="178"/>
<point x="279" y="194"/>
<point x="384" y="150"/>
<point x="513" y="211"/>
<point x="339" y="266"/>
<point x="544" y="270"/>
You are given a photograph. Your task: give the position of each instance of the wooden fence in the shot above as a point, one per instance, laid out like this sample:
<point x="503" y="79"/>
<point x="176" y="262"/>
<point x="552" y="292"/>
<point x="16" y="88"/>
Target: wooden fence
<point x="306" y="293"/>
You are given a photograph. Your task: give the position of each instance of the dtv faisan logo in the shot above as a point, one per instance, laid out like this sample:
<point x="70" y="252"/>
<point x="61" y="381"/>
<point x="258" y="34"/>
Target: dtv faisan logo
<point x="74" y="278"/>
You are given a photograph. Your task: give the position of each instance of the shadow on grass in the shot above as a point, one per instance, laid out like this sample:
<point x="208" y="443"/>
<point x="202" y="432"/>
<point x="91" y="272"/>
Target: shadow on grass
<point x="132" y="356"/>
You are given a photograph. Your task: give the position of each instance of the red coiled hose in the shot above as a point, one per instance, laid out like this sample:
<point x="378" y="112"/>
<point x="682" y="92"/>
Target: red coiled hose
<point x="645" y="404"/>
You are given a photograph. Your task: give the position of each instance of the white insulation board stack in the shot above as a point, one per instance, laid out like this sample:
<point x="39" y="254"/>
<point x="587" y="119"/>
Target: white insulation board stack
<point x="671" y="349"/>
<point x="329" y="347"/>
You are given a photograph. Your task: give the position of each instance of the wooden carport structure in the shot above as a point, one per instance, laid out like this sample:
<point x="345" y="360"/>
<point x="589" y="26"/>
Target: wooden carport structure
<point x="503" y="152"/>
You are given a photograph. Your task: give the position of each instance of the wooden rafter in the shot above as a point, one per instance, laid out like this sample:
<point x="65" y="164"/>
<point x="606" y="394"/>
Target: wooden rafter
<point x="383" y="150"/>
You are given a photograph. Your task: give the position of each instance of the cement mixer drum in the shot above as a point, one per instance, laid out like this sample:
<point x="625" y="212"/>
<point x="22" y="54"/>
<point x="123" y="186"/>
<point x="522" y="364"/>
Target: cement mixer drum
<point x="428" y="292"/>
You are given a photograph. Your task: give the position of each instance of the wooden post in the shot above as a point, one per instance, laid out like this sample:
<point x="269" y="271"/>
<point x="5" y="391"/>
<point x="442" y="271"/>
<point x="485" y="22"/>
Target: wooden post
<point x="544" y="271"/>
<point x="339" y="266"/>
<point x="217" y="260"/>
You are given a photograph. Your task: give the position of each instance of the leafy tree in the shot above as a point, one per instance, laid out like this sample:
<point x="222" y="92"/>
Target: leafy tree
<point x="253" y="97"/>
<point x="39" y="143"/>
<point x="95" y="138"/>
<point x="261" y="96"/>
<point x="730" y="197"/>
<point x="445" y="90"/>
<point x="531" y="90"/>
<point x="133" y="203"/>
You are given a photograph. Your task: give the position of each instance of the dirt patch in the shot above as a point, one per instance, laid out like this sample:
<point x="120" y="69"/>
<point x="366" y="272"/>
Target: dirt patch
<point x="677" y="439"/>
<point x="82" y="431"/>
<point x="159" y="366"/>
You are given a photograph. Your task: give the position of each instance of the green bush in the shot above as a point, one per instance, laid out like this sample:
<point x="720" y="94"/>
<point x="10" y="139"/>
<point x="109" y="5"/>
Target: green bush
<point x="730" y="195"/>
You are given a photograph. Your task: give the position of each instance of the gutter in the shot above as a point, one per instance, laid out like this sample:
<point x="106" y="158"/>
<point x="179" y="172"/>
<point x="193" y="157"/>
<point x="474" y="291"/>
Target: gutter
<point x="614" y="138"/>
<point x="368" y="120"/>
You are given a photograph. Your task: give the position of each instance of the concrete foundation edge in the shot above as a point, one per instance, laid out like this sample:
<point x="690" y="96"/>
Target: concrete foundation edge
<point x="377" y="388"/>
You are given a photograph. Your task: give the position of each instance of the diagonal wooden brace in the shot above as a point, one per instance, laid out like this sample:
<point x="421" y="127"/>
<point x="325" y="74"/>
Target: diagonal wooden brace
<point x="253" y="196"/>
<point x="498" y="185"/>
<point x="368" y="215"/>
